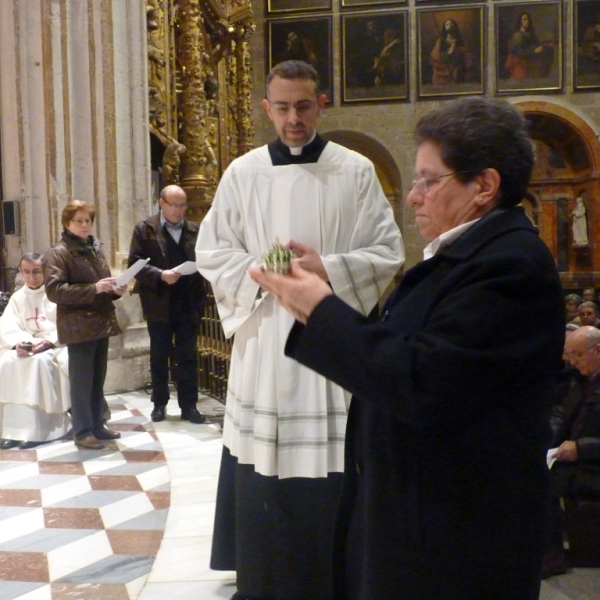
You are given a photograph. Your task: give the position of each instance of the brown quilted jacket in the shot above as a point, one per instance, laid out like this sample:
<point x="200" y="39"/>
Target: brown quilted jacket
<point x="70" y="274"/>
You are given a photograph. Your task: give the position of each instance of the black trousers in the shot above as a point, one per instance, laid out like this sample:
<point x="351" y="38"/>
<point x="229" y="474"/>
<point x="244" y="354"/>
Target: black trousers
<point x="87" y="372"/>
<point x="182" y="336"/>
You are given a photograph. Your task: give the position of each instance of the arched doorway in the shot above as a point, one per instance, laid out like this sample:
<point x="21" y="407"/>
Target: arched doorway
<point x="567" y="163"/>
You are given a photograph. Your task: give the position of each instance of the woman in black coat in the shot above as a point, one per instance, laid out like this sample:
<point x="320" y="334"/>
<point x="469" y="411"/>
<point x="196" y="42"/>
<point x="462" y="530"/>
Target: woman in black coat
<point x="446" y="484"/>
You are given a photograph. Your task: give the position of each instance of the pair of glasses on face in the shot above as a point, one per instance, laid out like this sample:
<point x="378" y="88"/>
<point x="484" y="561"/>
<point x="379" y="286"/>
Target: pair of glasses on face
<point x="304" y="107"/>
<point x="174" y="205"/>
<point x="423" y="185"/>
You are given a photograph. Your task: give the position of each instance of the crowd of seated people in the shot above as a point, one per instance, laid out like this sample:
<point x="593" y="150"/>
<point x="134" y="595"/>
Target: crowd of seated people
<point x="575" y="421"/>
<point x="575" y="424"/>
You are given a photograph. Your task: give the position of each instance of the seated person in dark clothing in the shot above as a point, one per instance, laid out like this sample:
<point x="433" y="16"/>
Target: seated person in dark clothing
<point x="576" y="437"/>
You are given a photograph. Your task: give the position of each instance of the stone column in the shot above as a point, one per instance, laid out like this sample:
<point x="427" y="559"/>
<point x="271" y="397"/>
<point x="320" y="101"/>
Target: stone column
<point x="74" y="112"/>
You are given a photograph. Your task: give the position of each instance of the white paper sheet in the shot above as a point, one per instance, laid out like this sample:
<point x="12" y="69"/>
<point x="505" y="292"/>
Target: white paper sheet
<point x="186" y="268"/>
<point x="125" y="277"/>
<point x="550" y="457"/>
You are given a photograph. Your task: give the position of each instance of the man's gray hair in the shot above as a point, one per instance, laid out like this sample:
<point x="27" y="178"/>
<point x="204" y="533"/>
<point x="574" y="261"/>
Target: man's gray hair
<point x="589" y="304"/>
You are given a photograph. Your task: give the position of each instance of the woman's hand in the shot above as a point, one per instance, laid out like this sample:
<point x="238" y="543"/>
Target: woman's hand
<point x="299" y="292"/>
<point x="119" y="291"/>
<point x="106" y="285"/>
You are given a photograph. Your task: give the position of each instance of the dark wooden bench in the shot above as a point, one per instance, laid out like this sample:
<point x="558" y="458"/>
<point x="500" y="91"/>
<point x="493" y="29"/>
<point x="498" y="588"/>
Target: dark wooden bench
<point x="582" y="517"/>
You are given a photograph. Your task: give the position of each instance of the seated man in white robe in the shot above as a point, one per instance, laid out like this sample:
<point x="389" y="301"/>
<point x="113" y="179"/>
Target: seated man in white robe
<point x="34" y="382"/>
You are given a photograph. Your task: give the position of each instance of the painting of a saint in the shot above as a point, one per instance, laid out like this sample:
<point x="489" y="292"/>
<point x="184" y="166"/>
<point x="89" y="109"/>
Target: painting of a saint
<point x="529" y="47"/>
<point x="586" y="36"/>
<point x="303" y="39"/>
<point x="451" y="51"/>
<point x="528" y="56"/>
<point x="451" y="59"/>
<point x="374" y="56"/>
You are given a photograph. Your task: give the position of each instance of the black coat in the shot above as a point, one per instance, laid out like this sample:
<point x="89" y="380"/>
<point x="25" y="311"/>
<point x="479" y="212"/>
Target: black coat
<point x="148" y="241"/>
<point x="578" y="419"/>
<point x="446" y="481"/>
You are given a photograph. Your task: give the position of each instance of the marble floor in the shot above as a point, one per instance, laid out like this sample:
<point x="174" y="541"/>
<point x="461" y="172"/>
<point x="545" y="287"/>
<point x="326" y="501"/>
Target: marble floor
<point x="134" y="521"/>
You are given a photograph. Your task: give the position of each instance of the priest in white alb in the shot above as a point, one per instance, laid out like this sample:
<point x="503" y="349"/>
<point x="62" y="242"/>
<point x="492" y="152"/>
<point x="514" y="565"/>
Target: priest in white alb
<point x="34" y="382"/>
<point x="284" y="425"/>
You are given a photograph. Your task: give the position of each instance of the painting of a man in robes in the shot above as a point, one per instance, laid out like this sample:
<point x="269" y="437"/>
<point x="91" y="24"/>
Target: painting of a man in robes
<point x="451" y="44"/>
<point x="529" y="47"/>
<point x="586" y="36"/>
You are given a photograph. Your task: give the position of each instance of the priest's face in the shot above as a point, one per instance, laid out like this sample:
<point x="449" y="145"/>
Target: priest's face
<point x="294" y="108"/>
<point x="32" y="273"/>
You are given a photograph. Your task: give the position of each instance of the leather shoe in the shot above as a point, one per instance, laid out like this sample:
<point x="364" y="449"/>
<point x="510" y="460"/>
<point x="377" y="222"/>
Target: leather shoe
<point x="106" y="434"/>
<point x="8" y="444"/>
<point x="159" y="413"/>
<point x="27" y="445"/>
<point x="193" y="416"/>
<point x="89" y="442"/>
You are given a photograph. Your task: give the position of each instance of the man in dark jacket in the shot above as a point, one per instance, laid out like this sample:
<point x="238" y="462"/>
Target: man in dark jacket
<point x="172" y="303"/>
<point x="445" y="491"/>
<point x="576" y="437"/>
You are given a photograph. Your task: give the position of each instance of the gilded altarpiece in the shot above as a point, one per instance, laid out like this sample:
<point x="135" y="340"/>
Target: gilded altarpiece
<point x="199" y="110"/>
<point x="198" y="92"/>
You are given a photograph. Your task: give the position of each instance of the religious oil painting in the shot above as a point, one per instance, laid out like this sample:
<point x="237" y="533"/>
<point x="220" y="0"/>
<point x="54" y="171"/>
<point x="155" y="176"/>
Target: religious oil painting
<point x="529" y="48"/>
<point x="369" y="3"/>
<point x="375" y="56"/>
<point x="296" y="6"/>
<point x="307" y="39"/>
<point x="444" y="1"/>
<point x="451" y="51"/>
<point x="586" y="45"/>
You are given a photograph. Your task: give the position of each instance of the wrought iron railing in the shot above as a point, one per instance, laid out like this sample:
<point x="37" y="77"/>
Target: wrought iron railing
<point x="214" y="352"/>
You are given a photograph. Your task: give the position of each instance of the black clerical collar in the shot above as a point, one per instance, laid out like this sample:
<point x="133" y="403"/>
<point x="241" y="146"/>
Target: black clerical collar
<point x="281" y="155"/>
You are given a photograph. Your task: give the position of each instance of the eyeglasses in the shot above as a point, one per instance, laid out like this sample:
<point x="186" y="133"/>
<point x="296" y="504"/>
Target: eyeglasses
<point x="81" y="221"/>
<point x="174" y="205"/>
<point x="302" y="108"/>
<point x="34" y="272"/>
<point x="422" y="185"/>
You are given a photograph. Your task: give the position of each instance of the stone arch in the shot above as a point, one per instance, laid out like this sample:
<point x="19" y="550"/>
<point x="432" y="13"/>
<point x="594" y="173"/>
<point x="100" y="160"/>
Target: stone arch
<point x="385" y="165"/>
<point x="573" y="141"/>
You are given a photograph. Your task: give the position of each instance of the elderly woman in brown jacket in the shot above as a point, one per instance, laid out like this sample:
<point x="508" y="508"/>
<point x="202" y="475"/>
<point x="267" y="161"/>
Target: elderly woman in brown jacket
<point x="78" y="280"/>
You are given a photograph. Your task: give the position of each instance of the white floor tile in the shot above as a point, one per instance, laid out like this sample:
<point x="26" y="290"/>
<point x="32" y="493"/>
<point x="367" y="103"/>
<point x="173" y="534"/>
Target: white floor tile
<point x="126" y="509"/>
<point x="79" y="554"/>
<point x="197" y="590"/>
<point x="19" y="525"/>
<point x="190" y="520"/>
<point x="185" y="559"/>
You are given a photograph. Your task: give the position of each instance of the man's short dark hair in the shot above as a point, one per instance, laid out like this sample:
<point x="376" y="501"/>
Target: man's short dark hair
<point x="293" y="69"/>
<point x="475" y="134"/>
<point x="29" y="257"/>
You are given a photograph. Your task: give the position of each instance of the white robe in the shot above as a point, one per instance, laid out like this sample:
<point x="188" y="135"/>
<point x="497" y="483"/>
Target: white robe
<point x="280" y="416"/>
<point x="34" y="391"/>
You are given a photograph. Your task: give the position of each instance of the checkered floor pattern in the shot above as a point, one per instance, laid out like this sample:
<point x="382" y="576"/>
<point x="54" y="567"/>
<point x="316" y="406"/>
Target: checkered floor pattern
<point x="83" y="524"/>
